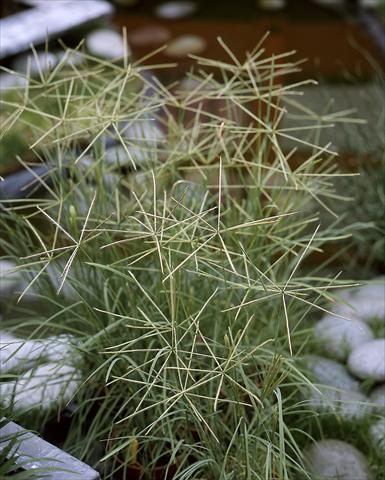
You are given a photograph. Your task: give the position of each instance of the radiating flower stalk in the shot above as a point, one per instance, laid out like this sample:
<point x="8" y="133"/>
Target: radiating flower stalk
<point x="178" y="260"/>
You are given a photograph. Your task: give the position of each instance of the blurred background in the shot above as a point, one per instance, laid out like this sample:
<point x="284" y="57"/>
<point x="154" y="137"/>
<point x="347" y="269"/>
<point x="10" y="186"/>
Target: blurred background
<point x="332" y="34"/>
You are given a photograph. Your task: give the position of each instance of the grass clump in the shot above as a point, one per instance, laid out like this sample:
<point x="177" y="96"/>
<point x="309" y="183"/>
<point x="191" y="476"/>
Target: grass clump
<point x="175" y="262"/>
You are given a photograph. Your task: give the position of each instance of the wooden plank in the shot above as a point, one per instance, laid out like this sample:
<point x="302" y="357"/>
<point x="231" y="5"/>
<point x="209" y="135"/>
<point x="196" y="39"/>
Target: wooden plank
<point x="34" y="26"/>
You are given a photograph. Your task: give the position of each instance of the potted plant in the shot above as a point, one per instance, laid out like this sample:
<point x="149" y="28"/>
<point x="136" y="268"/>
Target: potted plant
<point x="181" y="254"/>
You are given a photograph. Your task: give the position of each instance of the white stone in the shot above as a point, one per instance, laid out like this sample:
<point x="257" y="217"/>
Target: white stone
<point x="344" y="294"/>
<point x="331" y="373"/>
<point x="12" y="80"/>
<point x="374" y="290"/>
<point x="333" y="459"/>
<point x="272" y="4"/>
<point x="175" y="10"/>
<point x="378" y="397"/>
<point x="55" y="271"/>
<point x="10" y="279"/>
<point x="186" y="44"/>
<point x="369" y="301"/>
<point x="364" y="309"/>
<point x="365" y="303"/>
<point x="340" y="336"/>
<point x="341" y="304"/>
<point x="151" y="35"/>
<point x="16" y="353"/>
<point x="371" y="310"/>
<point x="335" y="391"/>
<point x="41" y="63"/>
<point x="377" y="434"/>
<point x="142" y="138"/>
<point x="119" y="156"/>
<point x="190" y="194"/>
<point x="349" y="405"/>
<point x="111" y="181"/>
<point x="59" y="348"/>
<point x="42" y="387"/>
<point x="71" y="58"/>
<point x="19" y="354"/>
<point x="368" y="360"/>
<point x="189" y="84"/>
<point x="106" y="43"/>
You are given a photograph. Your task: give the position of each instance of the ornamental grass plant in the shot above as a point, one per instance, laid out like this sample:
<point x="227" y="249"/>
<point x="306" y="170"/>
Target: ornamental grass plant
<point x="174" y="260"/>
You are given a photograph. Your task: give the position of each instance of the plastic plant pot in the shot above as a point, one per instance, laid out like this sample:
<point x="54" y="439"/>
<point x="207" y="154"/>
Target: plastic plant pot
<point x="32" y="453"/>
